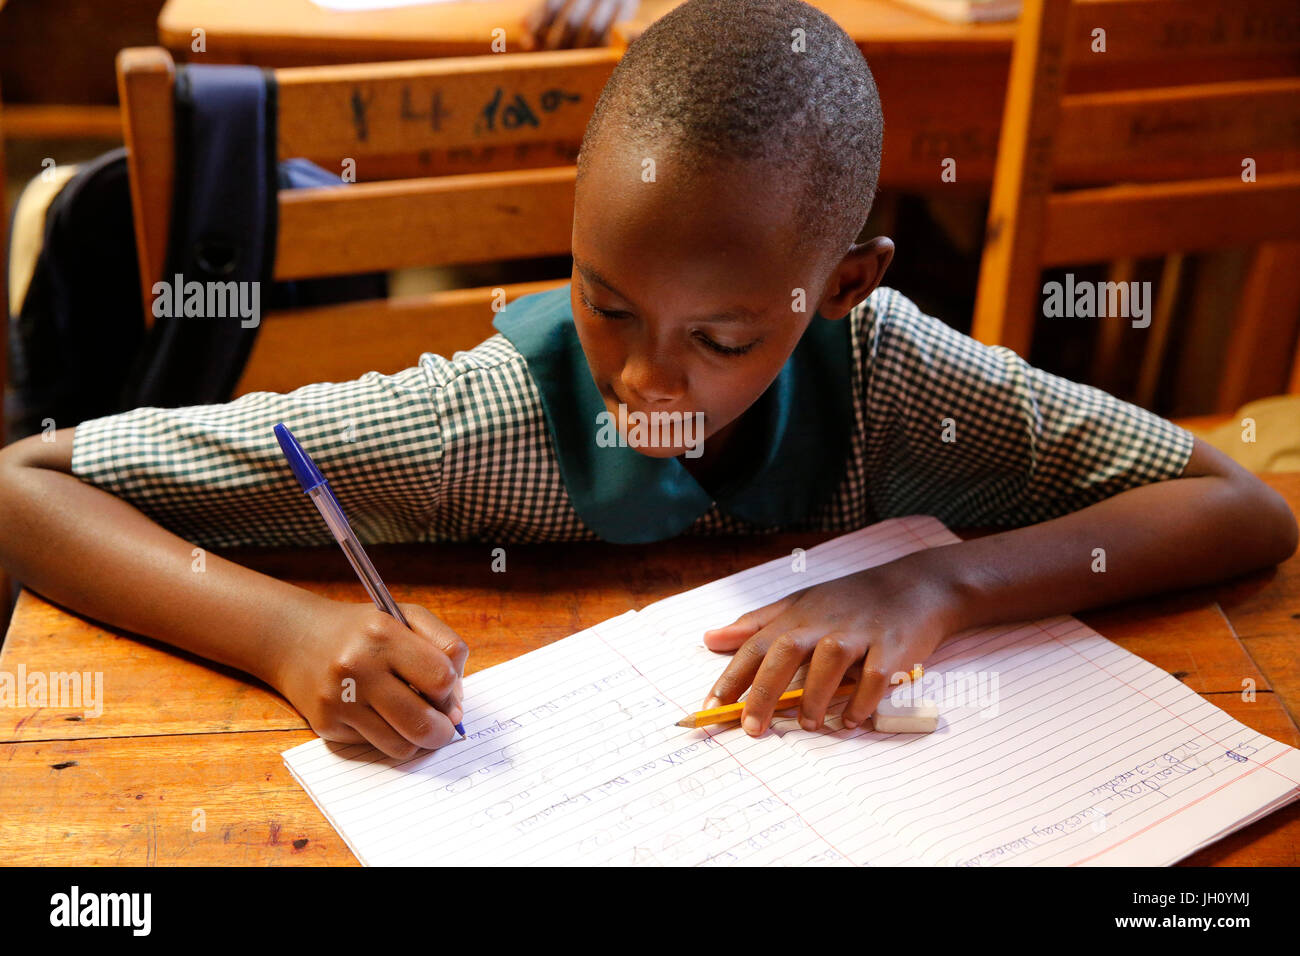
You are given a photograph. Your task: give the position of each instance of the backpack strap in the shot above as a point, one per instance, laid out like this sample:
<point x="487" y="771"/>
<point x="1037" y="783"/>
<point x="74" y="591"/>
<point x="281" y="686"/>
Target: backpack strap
<point x="222" y="231"/>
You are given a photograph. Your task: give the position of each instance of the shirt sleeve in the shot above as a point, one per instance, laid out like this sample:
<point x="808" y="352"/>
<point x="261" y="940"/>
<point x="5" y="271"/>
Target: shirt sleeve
<point x="976" y="436"/>
<point x="215" y="474"/>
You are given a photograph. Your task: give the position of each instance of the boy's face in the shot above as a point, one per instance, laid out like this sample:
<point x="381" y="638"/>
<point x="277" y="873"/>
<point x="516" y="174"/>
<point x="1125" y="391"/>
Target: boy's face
<point x="697" y="273"/>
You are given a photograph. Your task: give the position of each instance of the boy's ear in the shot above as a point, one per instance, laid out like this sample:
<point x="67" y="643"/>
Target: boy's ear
<point x="856" y="276"/>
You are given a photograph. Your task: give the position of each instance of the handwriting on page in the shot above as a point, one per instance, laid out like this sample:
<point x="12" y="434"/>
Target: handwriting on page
<point x="1124" y="797"/>
<point x="1090" y="755"/>
<point x="593" y="773"/>
<point x="994" y="783"/>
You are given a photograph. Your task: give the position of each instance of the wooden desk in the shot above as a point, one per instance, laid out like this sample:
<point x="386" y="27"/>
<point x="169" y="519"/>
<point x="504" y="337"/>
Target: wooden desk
<point x="942" y="84"/>
<point x="181" y="740"/>
<point x="300" y="33"/>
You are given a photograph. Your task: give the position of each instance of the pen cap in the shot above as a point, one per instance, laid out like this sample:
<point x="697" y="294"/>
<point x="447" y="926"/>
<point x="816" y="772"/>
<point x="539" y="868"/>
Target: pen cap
<point x="304" y="469"/>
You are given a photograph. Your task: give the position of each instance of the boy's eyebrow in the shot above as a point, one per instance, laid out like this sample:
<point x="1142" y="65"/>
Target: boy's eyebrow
<point x="737" y="314"/>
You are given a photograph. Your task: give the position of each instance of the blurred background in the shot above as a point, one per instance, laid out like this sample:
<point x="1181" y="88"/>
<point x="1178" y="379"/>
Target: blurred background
<point x="944" y="87"/>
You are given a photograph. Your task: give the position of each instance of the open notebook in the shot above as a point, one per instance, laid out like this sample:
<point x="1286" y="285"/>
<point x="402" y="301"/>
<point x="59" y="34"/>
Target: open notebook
<point x="1055" y="746"/>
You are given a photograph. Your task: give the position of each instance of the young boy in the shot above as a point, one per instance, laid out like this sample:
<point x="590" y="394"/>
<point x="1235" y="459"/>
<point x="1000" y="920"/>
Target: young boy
<point x="725" y="175"/>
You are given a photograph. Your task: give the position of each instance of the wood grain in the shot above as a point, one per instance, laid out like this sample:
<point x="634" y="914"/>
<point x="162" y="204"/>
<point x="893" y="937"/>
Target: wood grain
<point x="385" y="336"/>
<point x="145" y="78"/>
<point x="149" y="688"/>
<point x="1265" y="343"/>
<point x="1152" y="106"/>
<point x="296" y="32"/>
<point x="134" y="801"/>
<point x="478" y="217"/>
<point x="184" y="734"/>
<point x="1096" y="225"/>
<point x="1008" y="282"/>
<point x="403" y="107"/>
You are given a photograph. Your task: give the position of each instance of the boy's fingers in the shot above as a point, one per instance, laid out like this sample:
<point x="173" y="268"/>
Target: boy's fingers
<point x="740" y="672"/>
<point x="429" y="671"/>
<point x="456" y="703"/>
<point x="342" y="734"/>
<point x="733" y="635"/>
<point x="832" y="657"/>
<point x="871" y="687"/>
<point x="725" y="639"/>
<point x="428" y="625"/>
<point x="367" y="722"/>
<point x="450" y="645"/>
<point x="784" y="656"/>
<point x="411" y="717"/>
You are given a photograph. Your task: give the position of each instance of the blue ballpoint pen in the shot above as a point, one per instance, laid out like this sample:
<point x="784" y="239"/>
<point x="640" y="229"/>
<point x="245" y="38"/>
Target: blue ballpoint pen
<point x="318" y="489"/>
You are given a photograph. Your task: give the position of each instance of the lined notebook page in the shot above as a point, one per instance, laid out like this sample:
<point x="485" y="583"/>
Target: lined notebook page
<point x="1062" y="748"/>
<point x="572" y="757"/>
<point x="1055" y="745"/>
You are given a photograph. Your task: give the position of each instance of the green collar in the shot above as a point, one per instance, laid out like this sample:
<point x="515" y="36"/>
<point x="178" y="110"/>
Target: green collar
<point x="623" y="496"/>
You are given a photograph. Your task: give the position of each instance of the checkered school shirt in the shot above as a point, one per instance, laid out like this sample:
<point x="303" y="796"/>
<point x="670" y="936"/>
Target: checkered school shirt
<point x="458" y="448"/>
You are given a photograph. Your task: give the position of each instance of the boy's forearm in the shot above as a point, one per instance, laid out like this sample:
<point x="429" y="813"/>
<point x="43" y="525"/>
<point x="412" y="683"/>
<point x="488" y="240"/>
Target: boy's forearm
<point x="1169" y="535"/>
<point x="98" y="555"/>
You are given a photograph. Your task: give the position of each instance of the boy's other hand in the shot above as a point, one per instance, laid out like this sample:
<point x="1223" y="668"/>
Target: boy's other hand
<point x="879" y="621"/>
<point x="564" y="24"/>
<point x="352" y="671"/>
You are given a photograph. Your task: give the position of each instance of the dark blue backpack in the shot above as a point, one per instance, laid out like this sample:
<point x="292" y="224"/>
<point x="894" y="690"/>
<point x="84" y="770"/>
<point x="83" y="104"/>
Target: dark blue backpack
<point x="78" y="348"/>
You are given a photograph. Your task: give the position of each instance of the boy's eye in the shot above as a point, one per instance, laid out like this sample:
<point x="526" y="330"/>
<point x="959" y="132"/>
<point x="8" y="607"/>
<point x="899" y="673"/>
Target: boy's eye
<point x="603" y="312"/>
<point x="700" y="336"/>
<point x="724" y="349"/>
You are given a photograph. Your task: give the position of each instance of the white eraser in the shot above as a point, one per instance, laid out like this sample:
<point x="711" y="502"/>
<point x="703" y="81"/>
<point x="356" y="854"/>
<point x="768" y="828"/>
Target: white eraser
<point x="919" y="718"/>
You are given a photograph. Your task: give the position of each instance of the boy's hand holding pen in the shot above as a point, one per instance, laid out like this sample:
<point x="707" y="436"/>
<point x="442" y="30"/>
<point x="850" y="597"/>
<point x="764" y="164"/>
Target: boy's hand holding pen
<point x="357" y="675"/>
<point x="389" y="674"/>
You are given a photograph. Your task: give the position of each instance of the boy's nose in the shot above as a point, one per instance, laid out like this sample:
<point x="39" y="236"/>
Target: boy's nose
<point x="652" y="381"/>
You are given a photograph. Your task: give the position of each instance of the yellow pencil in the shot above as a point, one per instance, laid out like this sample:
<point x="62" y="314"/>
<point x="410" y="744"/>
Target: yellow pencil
<point x="730" y="713"/>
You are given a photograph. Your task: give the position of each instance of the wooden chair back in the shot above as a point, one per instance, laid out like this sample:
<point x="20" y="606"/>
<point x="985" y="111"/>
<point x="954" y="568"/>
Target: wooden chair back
<point x="1135" y="128"/>
<point x="493" y="111"/>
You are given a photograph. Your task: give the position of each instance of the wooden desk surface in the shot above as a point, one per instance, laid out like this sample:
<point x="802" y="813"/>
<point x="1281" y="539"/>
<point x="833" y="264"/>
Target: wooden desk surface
<point x="943" y="84"/>
<point x="878" y="26"/>
<point x="183" y="767"/>
<point x="299" y="31"/>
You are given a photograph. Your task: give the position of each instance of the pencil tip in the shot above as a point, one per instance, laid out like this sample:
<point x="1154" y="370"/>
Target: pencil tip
<point x="460" y="729"/>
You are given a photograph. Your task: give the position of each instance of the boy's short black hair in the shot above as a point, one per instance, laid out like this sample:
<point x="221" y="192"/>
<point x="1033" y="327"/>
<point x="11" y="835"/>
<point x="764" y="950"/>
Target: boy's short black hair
<point x="735" y="79"/>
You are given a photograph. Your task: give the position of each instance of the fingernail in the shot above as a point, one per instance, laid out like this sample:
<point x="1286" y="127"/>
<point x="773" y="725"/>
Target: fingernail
<point x="849" y="723"/>
<point x="751" y="725"/>
<point x="710" y="703"/>
<point x="456" y="715"/>
<point x="807" y="723"/>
